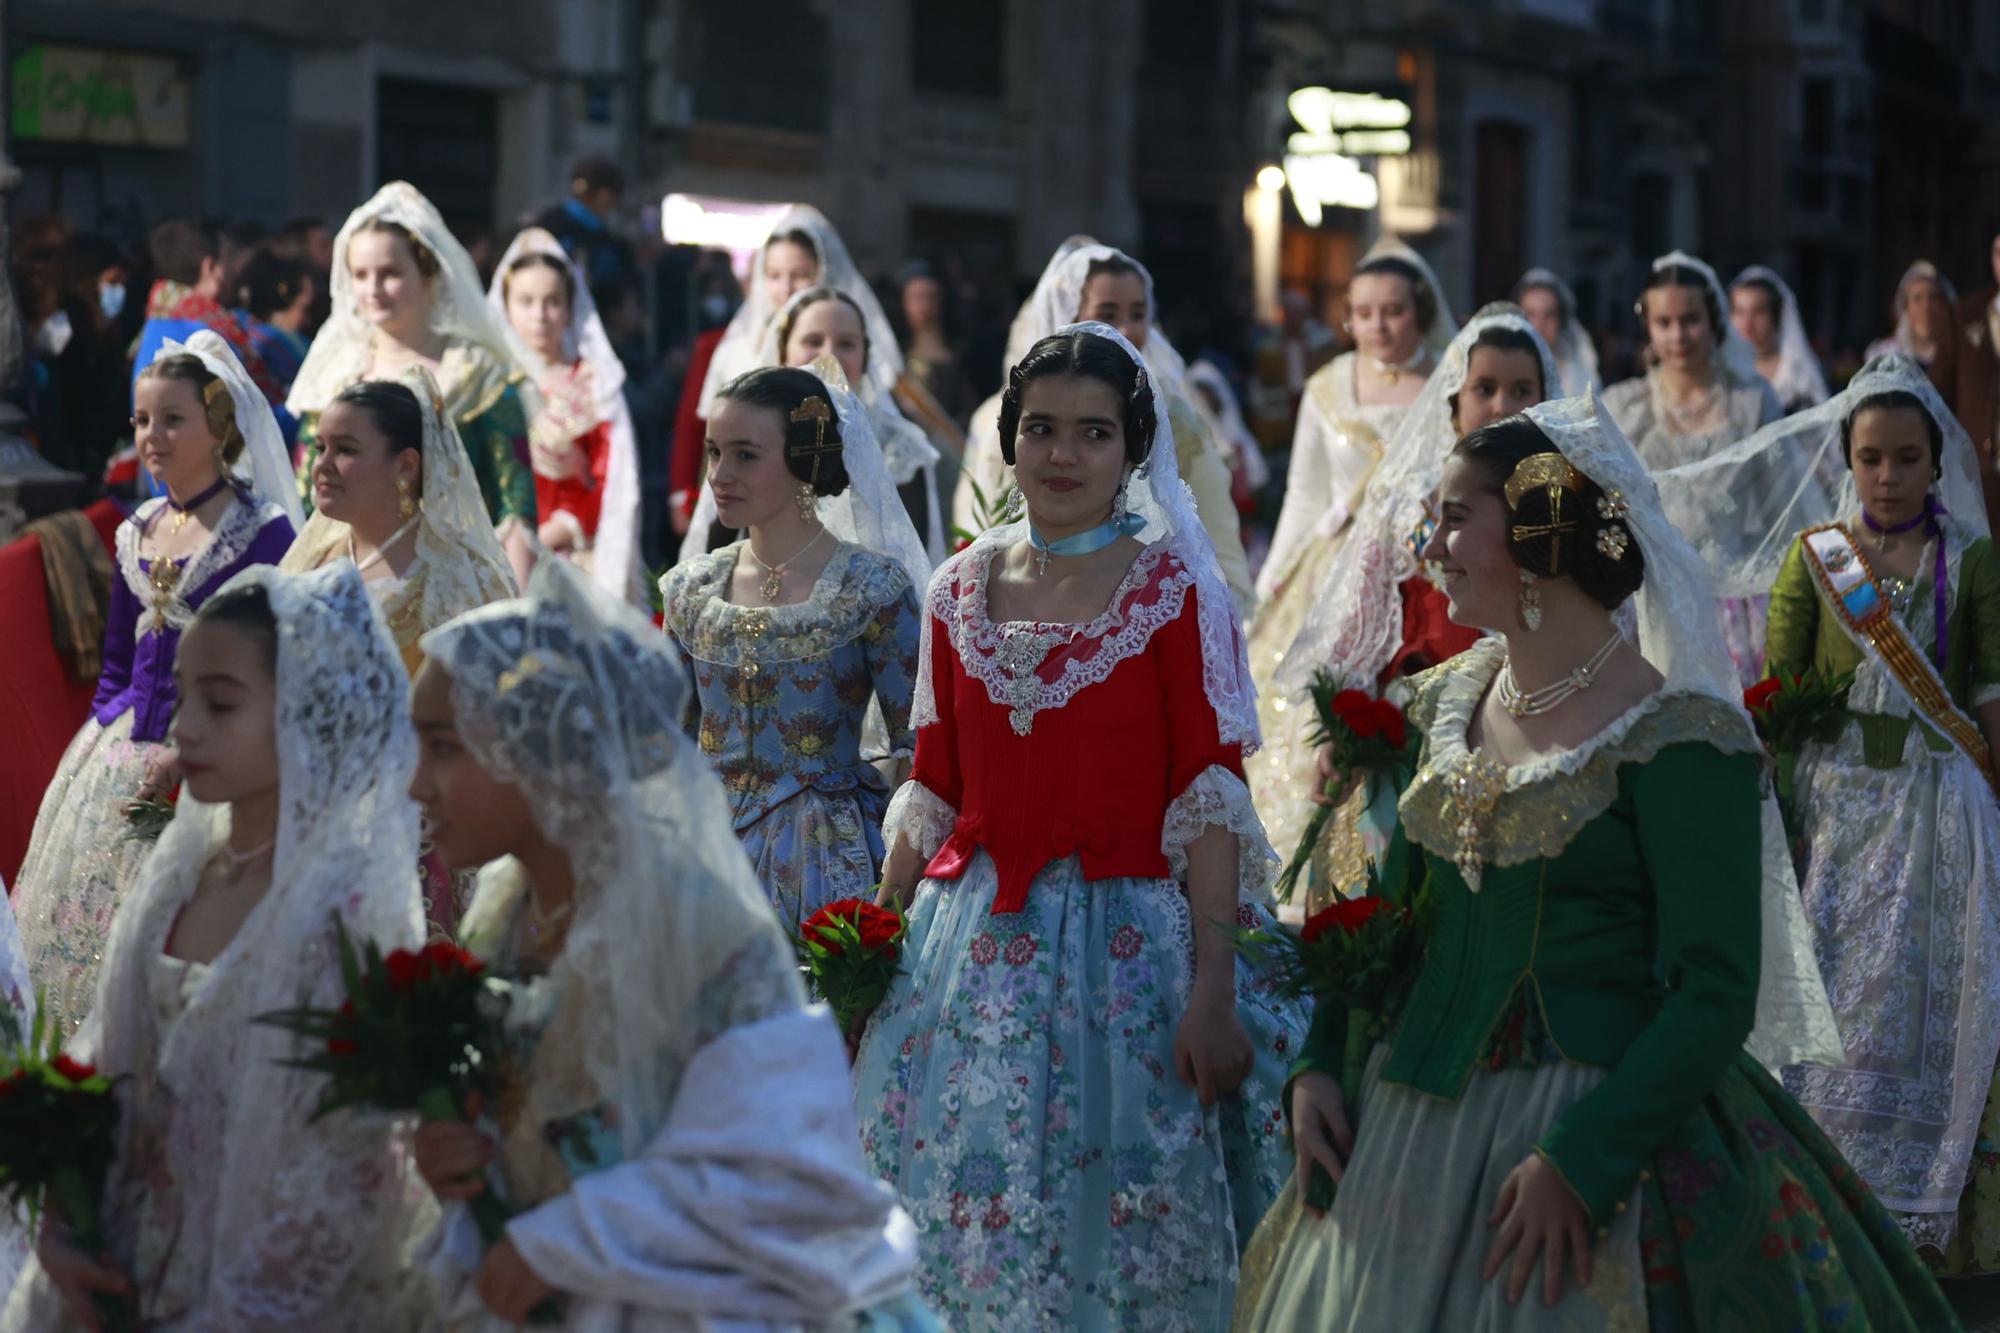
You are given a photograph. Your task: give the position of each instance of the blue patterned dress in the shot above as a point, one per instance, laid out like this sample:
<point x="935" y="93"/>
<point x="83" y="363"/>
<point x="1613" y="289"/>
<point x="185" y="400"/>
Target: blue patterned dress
<point x="784" y="692"/>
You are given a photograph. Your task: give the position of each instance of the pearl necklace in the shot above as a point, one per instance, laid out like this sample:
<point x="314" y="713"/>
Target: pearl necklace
<point x="1533" y="703"/>
<point x="773" y="581"/>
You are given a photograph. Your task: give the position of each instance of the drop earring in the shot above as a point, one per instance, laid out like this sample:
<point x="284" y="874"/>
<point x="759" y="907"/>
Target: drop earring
<point x="405" y="505"/>
<point x="1118" y="509"/>
<point x="808" y="503"/>
<point x="1531" y="602"/>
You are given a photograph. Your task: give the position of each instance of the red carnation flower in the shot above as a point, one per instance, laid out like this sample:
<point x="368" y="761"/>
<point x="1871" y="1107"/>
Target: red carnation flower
<point x="342" y="1046"/>
<point x="73" y="1070"/>
<point x="1758" y="696"/>
<point x="1394" y="727"/>
<point x="1348" y="915"/>
<point x="1348" y="702"/>
<point x="877" y="926"/>
<point x="405" y="969"/>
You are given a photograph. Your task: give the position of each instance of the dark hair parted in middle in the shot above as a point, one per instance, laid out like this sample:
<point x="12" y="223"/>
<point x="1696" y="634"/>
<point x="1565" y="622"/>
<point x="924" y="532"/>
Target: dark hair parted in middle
<point x="1890" y="400"/>
<point x="1503" y="338"/>
<point x="812" y="424"/>
<point x="1092" y="356"/>
<point x="1553" y="532"/>
<point x="1421" y="294"/>
<point x="394" y="408"/>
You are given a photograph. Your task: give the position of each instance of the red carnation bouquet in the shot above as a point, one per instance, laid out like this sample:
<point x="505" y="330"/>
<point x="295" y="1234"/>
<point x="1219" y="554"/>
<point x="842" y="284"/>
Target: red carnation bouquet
<point x="1369" y="736"/>
<point x="58" y="1136"/>
<point x="1790" y="712"/>
<point x="848" y="951"/>
<point x="146" y="820"/>
<point x="1362" y="953"/>
<point x="420" y="1030"/>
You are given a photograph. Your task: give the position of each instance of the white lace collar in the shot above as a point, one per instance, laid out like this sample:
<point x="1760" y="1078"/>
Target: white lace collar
<point x="1011" y="657"/>
<point x="225" y="546"/>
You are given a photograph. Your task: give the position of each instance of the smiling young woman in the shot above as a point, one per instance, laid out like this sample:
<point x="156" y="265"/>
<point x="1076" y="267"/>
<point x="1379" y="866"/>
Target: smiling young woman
<point x="406" y="294"/>
<point x="1566" y="1124"/>
<point x="1074" y="839"/>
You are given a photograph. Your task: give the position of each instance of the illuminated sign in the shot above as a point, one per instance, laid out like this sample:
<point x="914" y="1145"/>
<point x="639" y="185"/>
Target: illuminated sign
<point x="1335" y="129"/>
<point x="738" y="226"/>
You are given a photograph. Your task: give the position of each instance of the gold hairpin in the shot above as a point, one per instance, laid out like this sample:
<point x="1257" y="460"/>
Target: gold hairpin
<point x="818" y="411"/>
<point x="1553" y="472"/>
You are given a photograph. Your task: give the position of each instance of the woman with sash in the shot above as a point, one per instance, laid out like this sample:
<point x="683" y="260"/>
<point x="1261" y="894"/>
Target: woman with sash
<point x="1901" y="825"/>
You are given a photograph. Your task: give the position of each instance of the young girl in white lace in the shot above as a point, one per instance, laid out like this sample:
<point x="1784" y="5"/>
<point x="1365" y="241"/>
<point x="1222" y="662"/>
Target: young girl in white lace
<point x="230" y="1206"/>
<point x="677" y="1130"/>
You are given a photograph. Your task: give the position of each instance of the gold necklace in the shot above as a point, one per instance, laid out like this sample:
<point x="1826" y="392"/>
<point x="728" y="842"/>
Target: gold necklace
<point x="773" y="581"/>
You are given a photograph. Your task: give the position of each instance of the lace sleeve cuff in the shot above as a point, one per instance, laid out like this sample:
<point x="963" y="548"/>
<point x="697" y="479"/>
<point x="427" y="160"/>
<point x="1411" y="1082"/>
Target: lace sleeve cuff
<point x="922" y="817"/>
<point x="1218" y="798"/>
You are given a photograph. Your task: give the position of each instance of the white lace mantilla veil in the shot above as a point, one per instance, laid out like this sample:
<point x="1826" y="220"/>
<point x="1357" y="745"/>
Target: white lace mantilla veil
<point x="906" y="449"/>
<point x="1574" y="351"/>
<point x="1444" y="328"/>
<point x="462" y="563"/>
<point x="737" y="352"/>
<point x="1058" y="298"/>
<point x="265" y="464"/>
<point x="299" y="1213"/>
<point x="1159" y="497"/>
<point x="1921" y="270"/>
<point x="1231" y="431"/>
<point x="1744" y="506"/>
<point x="616" y="566"/>
<point x="1734" y="354"/>
<point x="1355" y="623"/>
<point x="869" y="513"/>
<point x="580" y="701"/>
<point x="1799" y="379"/>
<point x="459" y="312"/>
<point x="1681" y="636"/>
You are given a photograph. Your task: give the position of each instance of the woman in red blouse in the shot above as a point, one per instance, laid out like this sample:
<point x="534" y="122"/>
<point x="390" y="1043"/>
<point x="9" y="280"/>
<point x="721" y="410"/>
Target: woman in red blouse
<point x="580" y="442"/>
<point x="1074" y="1083"/>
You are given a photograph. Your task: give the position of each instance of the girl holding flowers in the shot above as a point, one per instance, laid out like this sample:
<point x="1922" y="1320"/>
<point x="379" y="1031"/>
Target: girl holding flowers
<point x="229" y="1205"/>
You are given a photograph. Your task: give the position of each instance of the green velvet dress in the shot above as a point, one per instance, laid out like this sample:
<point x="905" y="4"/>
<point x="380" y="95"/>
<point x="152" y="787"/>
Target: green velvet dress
<point x="482" y="398"/>
<point x="1901" y="886"/>
<point x="1589" y="983"/>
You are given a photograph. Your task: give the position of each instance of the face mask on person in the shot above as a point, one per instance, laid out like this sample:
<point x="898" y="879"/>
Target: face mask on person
<point x="715" y="307"/>
<point x="111" y="299"/>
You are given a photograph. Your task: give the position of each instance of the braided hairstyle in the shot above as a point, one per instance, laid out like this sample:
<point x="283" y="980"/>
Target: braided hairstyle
<point x="1591" y="544"/>
<point x="1092" y="356"/>
<point x="790" y="392"/>
<point x="217" y="406"/>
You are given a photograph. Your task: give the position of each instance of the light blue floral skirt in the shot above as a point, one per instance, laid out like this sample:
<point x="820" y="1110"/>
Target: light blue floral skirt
<point x="1018" y="1089"/>
<point x="817" y="847"/>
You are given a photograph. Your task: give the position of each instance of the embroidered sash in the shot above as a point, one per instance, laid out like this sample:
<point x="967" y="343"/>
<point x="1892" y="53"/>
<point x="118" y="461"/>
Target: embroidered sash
<point x="1847" y="585"/>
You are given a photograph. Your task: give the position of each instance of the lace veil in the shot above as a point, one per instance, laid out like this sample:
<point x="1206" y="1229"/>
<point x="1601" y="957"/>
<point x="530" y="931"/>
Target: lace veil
<point x="1734" y="356"/>
<point x="1575" y="353"/>
<point x="1921" y="270"/>
<point x="1442" y="328"/>
<point x="459" y="312"/>
<point x="1355" y="623"/>
<point x="462" y="564"/>
<point x="1226" y="422"/>
<point x="1058" y="297"/>
<point x="1744" y="505"/>
<point x="579" y="700"/>
<point x="869" y="513"/>
<point x="906" y="449"/>
<point x="1798" y="379"/>
<point x="615" y="566"/>
<point x="1159" y="497"/>
<point x="265" y="464"/>
<point x="1681" y="636"/>
<point x="346" y="845"/>
<point x="737" y="352"/>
